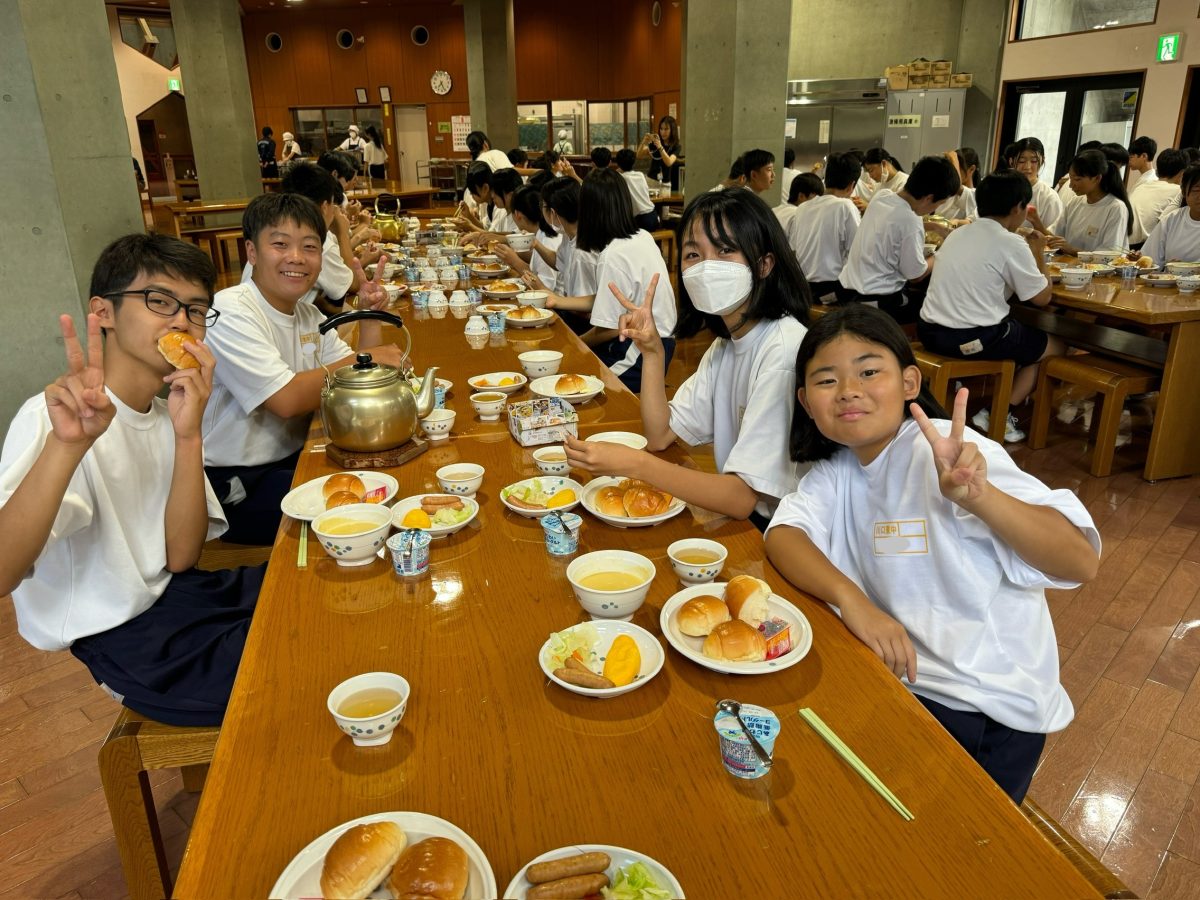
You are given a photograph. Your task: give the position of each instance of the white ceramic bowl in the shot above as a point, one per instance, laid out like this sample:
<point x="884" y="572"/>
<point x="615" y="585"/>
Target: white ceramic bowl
<point x="472" y="259"/>
<point x="1184" y="268"/>
<point x="403" y="507"/>
<point x="1076" y="279"/>
<point x="354" y="549"/>
<point x="478" y="270"/>
<point x="462" y="479"/>
<point x="649" y="649"/>
<point x="551" y="466"/>
<point x="370" y="731"/>
<point x="488" y="405"/>
<point x="520" y="241"/>
<point x="438" y="423"/>
<point x="439" y="308"/>
<point x="547" y="484"/>
<point x="394" y="291"/>
<point x="620" y="604"/>
<point x="697" y="573"/>
<point x="533" y="298"/>
<point x="625" y="438"/>
<point x="1187" y="284"/>
<point x="490" y="382"/>
<point x="537" y="363"/>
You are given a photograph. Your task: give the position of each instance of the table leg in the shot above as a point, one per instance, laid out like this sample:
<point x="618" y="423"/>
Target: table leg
<point x="1175" y="440"/>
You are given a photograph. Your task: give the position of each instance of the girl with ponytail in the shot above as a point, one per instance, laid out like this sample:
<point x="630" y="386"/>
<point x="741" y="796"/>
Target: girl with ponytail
<point x="1105" y="220"/>
<point x="885" y="170"/>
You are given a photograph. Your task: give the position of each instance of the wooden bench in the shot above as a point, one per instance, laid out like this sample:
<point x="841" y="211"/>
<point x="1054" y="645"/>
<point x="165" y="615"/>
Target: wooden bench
<point x="1104" y="881"/>
<point x="665" y="238"/>
<point x="940" y="373"/>
<point x="1113" y="379"/>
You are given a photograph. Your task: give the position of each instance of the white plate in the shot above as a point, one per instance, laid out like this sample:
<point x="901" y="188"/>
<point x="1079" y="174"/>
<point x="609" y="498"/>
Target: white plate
<point x="608" y="630"/>
<point x="1098" y="270"/>
<point x="487" y="308"/>
<point x="302" y="877"/>
<point x="487" y="273"/>
<point x="546" y="316"/>
<point x="477" y="385"/>
<point x="628" y="438"/>
<point x="501" y="294"/>
<point x="621" y="858"/>
<point x="1159" y="280"/>
<point x="306" y="502"/>
<point x="405" y="506"/>
<point x="690" y="646"/>
<point x="549" y="484"/>
<point x="544" y="387"/>
<point x="589" y="494"/>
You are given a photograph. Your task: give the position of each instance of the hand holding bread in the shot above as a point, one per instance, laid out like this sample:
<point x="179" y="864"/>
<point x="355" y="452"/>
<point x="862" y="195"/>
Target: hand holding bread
<point x="190" y="383"/>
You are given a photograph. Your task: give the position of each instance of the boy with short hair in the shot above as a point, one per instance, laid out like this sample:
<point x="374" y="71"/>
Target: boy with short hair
<point x="759" y="166"/>
<point x="639" y="191"/>
<point x="1141" y="162"/>
<point x="273" y="361"/>
<point x="104" y="506"/>
<point x="804" y="187"/>
<point x="789" y="173"/>
<point x="822" y="230"/>
<point x="1157" y="196"/>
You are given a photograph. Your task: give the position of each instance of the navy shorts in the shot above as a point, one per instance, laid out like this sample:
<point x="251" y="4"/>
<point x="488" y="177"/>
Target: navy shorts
<point x="903" y="306"/>
<point x="614" y="351"/>
<point x="1009" y="339"/>
<point x="1007" y="755"/>
<point x="830" y="292"/>
<point x="254" y="519"/>
<point x="176" y="661"/>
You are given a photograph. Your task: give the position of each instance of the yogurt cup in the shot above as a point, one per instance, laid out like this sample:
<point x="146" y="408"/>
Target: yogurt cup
<point x="737" y="754"/>
<point x="562" y="533"/>
<point x="410" y="553"/>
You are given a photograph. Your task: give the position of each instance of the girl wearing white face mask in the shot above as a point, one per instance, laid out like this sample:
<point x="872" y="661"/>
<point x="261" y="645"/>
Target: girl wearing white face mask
<point x="739" y="278"/>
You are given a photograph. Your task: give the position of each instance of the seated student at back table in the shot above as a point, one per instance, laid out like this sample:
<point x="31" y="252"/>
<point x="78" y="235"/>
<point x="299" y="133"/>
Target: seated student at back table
<point x="644" y="214"/>
<point x="575" y="269"/>
<point x="1157" y="197"/>
<point x="759" y="166"/>
<point x="966" y="312"/>
<point x="492" y="193"/>
<point x="1177" y="235"/>
<point x="529" y="216"/>
<point x="930" y="542"/>
<point x="1101" y="219"/>
<point x="822" y="230"/>
<point x="804" y="187"/>
<point x="271" y="359"/>
<point x="889" y="248"/>
<point x="104" y="507"/>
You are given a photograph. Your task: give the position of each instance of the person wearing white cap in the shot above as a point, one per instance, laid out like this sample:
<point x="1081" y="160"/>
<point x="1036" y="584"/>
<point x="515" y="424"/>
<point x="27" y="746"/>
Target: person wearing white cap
<point x="291" y="150"/>
<point x="352" y="143"/>
<point x="564" y="147"/>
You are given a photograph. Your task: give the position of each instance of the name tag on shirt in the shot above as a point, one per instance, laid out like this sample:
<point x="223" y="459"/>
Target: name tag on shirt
<point x="905" y="537"/>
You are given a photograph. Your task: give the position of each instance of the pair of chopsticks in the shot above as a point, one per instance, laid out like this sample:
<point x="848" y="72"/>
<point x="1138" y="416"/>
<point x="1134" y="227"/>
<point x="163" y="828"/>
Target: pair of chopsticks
<point x="302" y="550"/>
<point x="839" y="746"/>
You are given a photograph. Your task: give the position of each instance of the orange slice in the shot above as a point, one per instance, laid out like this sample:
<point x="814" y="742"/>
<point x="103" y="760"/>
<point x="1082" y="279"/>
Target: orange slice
<point x="565" y="497"/>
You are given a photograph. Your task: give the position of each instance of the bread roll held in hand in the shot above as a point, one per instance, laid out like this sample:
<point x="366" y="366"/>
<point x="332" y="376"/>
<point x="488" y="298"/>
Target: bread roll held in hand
<point x="571" y="384"/>
<point x="170" y="345"/>
<point x="735" y="642"/>
<point x="433" y="868"/>
<point x="343" y="481"/>
<point x="700" y="615"/>
<point x="746" y="597"/>
<point x="360" y="859"/>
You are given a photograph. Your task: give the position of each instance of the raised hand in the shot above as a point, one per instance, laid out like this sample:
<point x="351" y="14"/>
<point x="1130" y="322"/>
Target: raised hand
<point x="962" y="469"/>
<point x="79" y="408"/>
<point x="637" y="322"/>
<point x="190" y="390"/>
<point x="371" y="293"/>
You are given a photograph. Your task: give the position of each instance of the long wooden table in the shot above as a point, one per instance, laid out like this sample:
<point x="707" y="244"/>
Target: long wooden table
<point x="524" y="766"/>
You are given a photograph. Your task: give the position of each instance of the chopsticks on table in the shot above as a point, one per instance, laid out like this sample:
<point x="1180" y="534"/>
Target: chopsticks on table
<point x="302" y="550"/>
<point x="839" y="746"/>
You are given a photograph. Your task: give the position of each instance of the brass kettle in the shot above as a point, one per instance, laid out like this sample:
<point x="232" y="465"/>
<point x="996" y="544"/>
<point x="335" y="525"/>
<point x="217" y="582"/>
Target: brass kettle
<point x="369" y="407"/>
<point x="387" y="212"/>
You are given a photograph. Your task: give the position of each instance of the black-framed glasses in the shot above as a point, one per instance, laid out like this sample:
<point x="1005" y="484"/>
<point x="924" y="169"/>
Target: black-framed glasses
<point x="167" y="305"/>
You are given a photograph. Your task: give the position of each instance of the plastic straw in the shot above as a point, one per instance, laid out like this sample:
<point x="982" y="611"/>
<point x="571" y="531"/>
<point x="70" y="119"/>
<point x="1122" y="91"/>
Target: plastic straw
<point x="839" y="746"/>
<point x="302" y="550"/>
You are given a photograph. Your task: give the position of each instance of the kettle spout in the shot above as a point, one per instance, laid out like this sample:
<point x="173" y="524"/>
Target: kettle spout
<point x="425" y="395"/>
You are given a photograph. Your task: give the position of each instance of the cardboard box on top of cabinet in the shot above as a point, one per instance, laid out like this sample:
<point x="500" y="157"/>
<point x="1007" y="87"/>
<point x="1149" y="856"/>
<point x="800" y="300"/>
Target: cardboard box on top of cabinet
<point x="897" y="78"/>
<point x="941" y="67"/>
<point x="940" y="81"/>
<point x="961" y="80"/>
<point x="919" y="82"/>
<point x="920" y="66"/>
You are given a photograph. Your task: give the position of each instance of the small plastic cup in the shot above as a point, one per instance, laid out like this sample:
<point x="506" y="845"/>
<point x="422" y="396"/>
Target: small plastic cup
<point x="439" y="396"/>
<point x="410" y="553"/>
<point x="736" y="752"/>
<point x="475" y="295"/>
<point x="496" y="322"/>
<point x="562" y="533"/>
<point x="420" y="299"/>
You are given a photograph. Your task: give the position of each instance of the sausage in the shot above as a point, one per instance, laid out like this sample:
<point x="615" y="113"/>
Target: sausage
<point x="573" y="663"/>
<point x="442" y="500"/>
<point x="580" y="864"/>
<point x="521" y="504"/>
<point x="585" y="679"/>
<point x="576" y="886"/>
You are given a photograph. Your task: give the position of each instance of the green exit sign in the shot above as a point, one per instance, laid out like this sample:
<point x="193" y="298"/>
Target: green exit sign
<point x="1168" y="48"/>
<point x="172" y="84"/>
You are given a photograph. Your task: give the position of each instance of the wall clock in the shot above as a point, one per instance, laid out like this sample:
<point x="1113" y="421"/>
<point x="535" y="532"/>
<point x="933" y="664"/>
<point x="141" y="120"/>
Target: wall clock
<point x="440" y="82"/>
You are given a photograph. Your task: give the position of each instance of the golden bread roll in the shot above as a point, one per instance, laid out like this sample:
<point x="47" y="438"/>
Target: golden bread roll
<point x="746" y="597"/>
<point x="170" y="345"/>
<point x="610" y="501"/>
<point x="360" y="859"/>
<point x="1145" y="262"/>
<point x="700" y="615"/>
<point x="341" y="498"/>
<point x="525" y="313"/>
<point x="570" y="384"/>
<point x="343" y="481"/>
<point x="627" y="484"/>
<point x="642" y="502"/>
<point x="433" y="868"/>
<point x="735" y="641"/>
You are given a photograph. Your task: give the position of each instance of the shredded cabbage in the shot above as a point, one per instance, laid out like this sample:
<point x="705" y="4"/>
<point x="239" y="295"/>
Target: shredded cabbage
<point x="447" y="516"/>
<point x="635" y="883"/>
<point x="563" y="643"/>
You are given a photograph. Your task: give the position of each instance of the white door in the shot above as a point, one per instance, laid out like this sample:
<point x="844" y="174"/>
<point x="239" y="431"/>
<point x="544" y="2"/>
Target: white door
<point x="411" y="141"/>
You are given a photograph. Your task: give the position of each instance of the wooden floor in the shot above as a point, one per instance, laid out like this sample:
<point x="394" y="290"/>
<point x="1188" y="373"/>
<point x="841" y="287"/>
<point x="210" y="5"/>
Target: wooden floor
<point x="1123" y="777"/>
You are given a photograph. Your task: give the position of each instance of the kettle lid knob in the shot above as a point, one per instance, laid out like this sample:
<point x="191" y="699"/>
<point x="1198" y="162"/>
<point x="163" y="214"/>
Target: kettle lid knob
<point x="364" y="361"/>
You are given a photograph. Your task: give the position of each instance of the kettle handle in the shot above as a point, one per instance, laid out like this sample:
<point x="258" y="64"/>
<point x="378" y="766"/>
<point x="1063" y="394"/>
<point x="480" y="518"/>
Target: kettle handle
<point x="356" y="314"/>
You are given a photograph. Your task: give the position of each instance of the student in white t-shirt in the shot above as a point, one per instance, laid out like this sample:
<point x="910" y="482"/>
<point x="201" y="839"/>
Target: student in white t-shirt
<point x="803" y="188"/>
<point x="575" y="269"/>
<point x="966" y="312"/>
<point x="759" y="166"/>
<point x="492" y="193"/>
<point x="528" y="216"/>
<point x="1141" y="162"/>
<point x="104" y="506"/>
<point x="889" y="248"/>
<point x="1154" y="198"/>
<point x="885" y="171"/>
<point x="961" y="208"/>
<point x="932" y="545"/>
<point x="1102" y="220"/>
<point x="481" y="150"/>
<point x="644" y="214"/>
<point x="788" y="173"/>
<point x="272" y="359"/>
<point x="1176" y="238"/>
<point x="1046" y="208"/>
<point x="821" y="231"/>
<point x="738" y="280"/>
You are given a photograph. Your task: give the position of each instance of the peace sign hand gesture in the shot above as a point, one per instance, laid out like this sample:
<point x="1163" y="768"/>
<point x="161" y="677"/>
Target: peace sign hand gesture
<point x="80" y="410"/>
<point x="637" y="323"/>
<point x="371" y="293"/>
<point x="962" y="469"/>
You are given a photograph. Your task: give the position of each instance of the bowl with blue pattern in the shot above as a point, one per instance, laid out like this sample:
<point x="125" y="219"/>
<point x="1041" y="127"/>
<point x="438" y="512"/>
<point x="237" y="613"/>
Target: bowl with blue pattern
<point x="353" y="534"/>
<point x="611" y="584"/>
<point x="697" y="560"/>
<point x="368" y="707"/>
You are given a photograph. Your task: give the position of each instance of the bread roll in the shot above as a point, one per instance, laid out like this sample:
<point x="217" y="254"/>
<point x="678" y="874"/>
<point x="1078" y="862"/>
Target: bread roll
<point x="343" y="481"/>
<point x="435" y="867"/>
<point x="170" y="345"/>
<point x="746" y="597"/>
<point x="700" y="615"/>
<point x="360" y="859"/>
<point x="642" y="502"/>
<point x="340" y="498"/>
<point x="735" y="642"/>
<point x="610" y="501"/>
<point x="570" y="384"/>
<point x="526" y="312"/>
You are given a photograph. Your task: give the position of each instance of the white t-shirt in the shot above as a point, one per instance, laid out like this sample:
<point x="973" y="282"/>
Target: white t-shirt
<point x="540" y="267"/>
<point x="895" y="184"/>
<point x="639" y="192"/>
<point x="496" y="159"/>
<point x="786" y="177"/>
<point x="1067" y="195"/>
<point x="784" y="212"/>
<point x="373" y="154"/>
<point x="576" y="269"/>
<point x="979" y="266"/>
<point x="1175" y="238"/>
<point x="821" y="232"/>
<point x="865" y="187"/>
<point x="1141" y="179"/>
<point x="961" y="206"/>
<point x="1048" y="203"/>
<point x="333" y="280"/>
<point x="502" y="222"/>
<point x="105" y="561"/>
<point x="1151" y="201"/>
<point x="975" y="611"/>
<point x="1096" y="226"/>
<point x="259" y="350"/>
<point x="740" y="400"/>
<point x="630" y="263"/>
<point x="888" y="249"/>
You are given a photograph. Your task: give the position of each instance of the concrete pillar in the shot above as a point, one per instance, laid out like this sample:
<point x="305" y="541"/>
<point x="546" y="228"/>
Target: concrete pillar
<point x="980" y="52"/>
<point x="212" y="59"/>
<point x="735" y="85"/>
<point x="67" y="179"/>
<point x="492" y="70"/>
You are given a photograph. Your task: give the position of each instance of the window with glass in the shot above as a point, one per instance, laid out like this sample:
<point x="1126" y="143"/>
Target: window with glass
<point x="318" y="130"/>
<point x="570" y="116"/>
<point x="533" y="126"/>
<point x="150" y="34"/>
<point x="1043" y="18"/>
